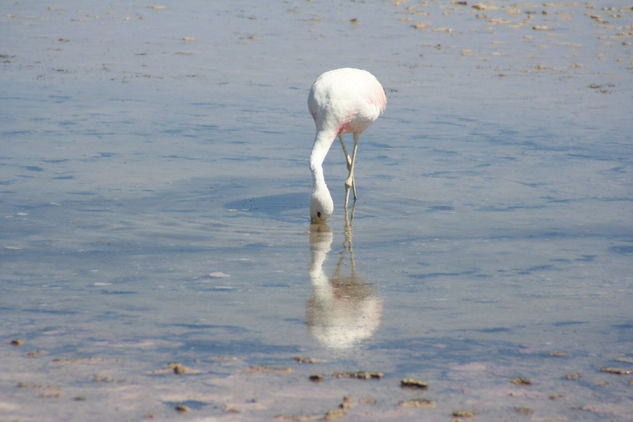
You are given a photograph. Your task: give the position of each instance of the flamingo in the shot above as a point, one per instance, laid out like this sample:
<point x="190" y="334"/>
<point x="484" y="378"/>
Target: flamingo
<point x="340" y="101"/>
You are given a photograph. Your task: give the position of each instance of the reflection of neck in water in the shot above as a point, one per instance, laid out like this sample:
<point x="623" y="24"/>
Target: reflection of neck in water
<point x="343" y="309"/>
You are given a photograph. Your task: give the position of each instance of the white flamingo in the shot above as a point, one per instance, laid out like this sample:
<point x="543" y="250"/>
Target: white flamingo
<point x="340" y="101"/>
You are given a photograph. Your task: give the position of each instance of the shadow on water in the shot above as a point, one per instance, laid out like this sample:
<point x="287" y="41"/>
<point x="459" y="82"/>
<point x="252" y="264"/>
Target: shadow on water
<point x="343" y="309"/>
<point x="271" y="206"/>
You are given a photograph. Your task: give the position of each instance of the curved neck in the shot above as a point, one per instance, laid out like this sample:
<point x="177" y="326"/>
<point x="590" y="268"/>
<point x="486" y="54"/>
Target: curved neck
<point x="322" y="143"/>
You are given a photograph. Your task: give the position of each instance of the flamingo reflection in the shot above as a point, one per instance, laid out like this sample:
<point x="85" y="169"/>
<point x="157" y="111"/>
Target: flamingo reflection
<point x="343" y="309"/>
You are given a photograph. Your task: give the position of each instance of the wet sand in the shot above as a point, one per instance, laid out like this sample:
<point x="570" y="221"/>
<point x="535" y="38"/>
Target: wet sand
<point x="157" y="258"/>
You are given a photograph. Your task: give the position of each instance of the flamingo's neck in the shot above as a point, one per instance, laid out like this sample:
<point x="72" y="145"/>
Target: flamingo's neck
<point x="321" y="205"/>
<point x="321" y="146"/>
<point x="318" y="181"/>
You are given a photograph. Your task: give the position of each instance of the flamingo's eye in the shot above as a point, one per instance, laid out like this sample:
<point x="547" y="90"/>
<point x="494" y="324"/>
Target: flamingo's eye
<point x="319" y="214"/>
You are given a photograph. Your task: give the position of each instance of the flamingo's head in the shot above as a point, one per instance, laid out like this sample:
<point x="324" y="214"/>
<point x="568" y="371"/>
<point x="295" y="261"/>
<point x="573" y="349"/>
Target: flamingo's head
<point x="321" y="205"/>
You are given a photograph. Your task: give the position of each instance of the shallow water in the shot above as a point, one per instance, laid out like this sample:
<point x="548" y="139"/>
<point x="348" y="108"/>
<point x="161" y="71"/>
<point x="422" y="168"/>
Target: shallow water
<point x="154" y="202"/>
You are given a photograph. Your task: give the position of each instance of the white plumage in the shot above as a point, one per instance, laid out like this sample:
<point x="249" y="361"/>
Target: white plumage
<point x="341" y="101"/>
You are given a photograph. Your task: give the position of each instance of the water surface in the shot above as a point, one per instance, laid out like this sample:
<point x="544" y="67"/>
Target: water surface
<point x="154" y="203"/>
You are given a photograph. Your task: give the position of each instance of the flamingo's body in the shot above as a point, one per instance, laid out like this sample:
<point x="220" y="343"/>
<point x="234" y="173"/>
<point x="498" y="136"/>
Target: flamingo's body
<point x="340" y="101"/>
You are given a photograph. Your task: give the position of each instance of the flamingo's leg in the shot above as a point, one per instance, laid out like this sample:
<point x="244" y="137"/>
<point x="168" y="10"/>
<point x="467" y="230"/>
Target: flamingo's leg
<point x="350" y="179"/>
<point x="348" y="160"/>
<point x="349" y="183"/>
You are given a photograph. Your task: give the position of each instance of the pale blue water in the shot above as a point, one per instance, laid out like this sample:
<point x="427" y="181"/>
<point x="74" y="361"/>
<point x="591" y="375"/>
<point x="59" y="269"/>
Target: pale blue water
<point x="154" y="204"/>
